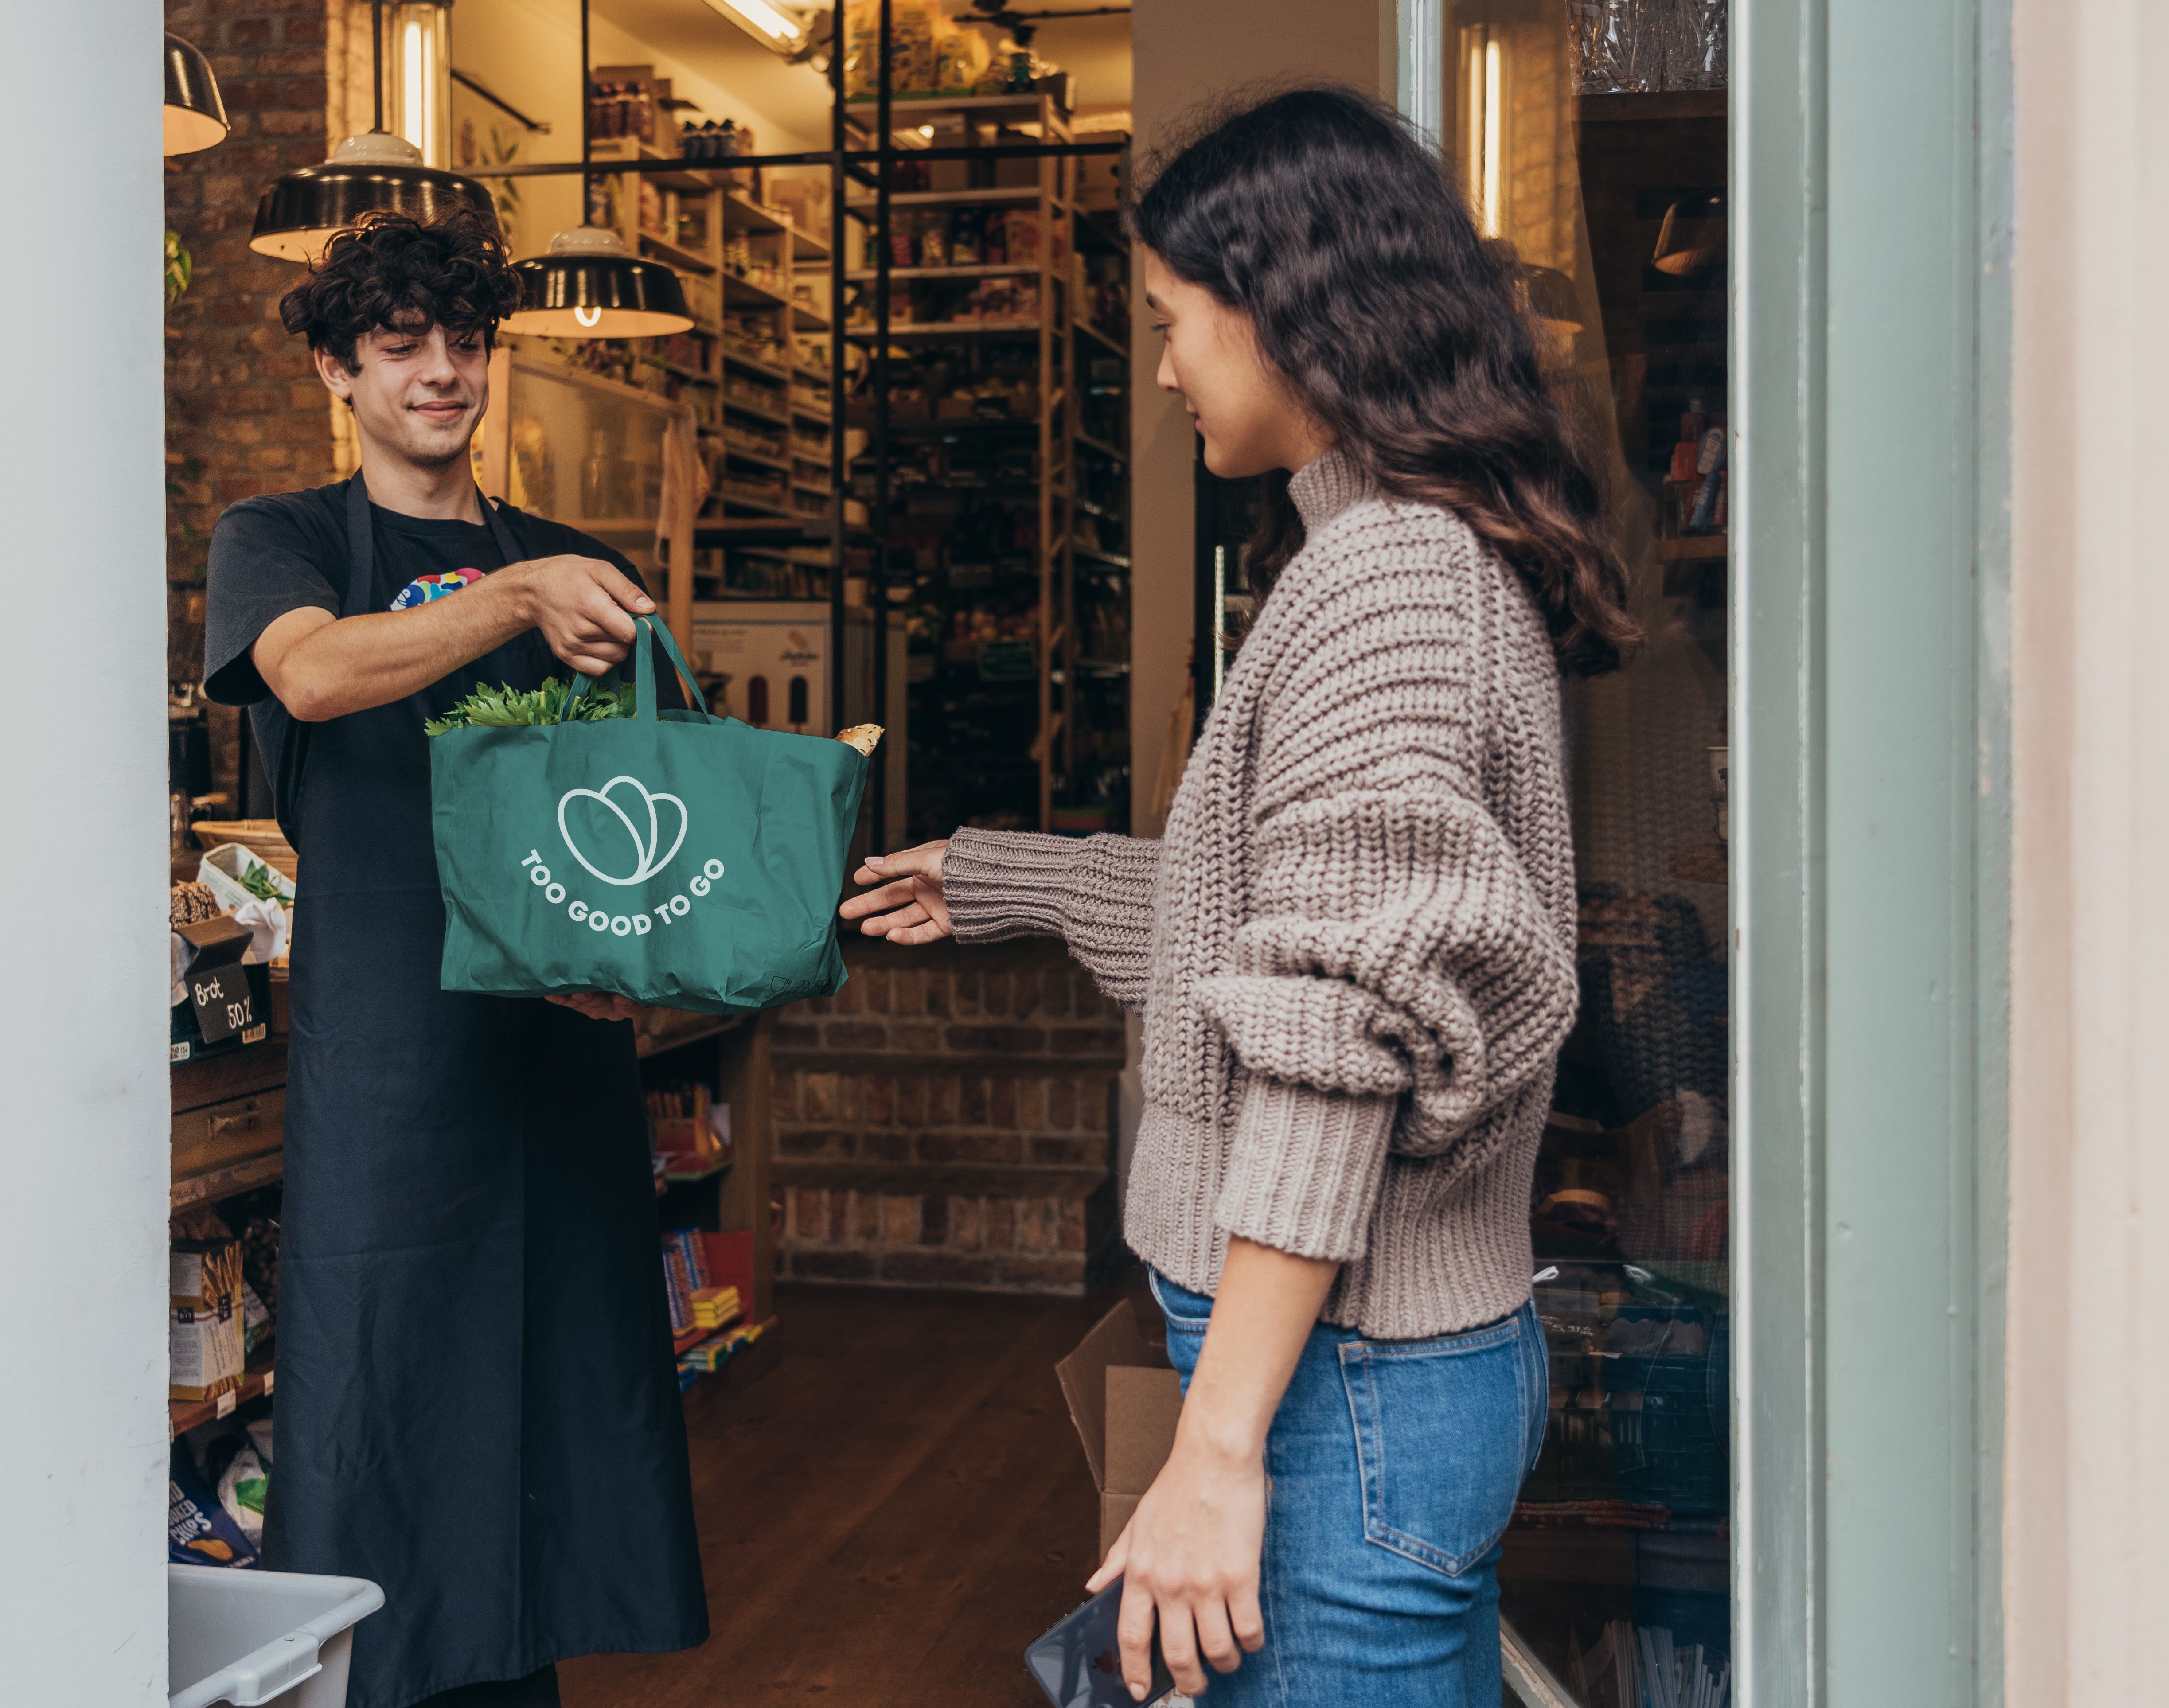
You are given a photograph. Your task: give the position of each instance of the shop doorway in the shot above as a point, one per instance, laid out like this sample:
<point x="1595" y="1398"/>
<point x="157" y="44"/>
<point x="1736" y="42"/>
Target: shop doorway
<point x="911" y="407"/>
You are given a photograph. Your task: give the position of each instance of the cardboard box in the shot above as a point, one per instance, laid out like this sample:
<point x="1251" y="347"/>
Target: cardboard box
<point x="206" y="1339"/>
<point x="1124" y="1398"/>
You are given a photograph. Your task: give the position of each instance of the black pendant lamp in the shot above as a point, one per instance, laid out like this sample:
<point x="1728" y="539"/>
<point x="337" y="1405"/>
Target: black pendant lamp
<point x="590" y="286"/>
<point x="377" y="173"/>
<point x="195" y="114"/>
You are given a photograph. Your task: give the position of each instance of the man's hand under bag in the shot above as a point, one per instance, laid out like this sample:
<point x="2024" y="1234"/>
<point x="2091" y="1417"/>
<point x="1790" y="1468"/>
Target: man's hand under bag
<point x="908" y="905"/>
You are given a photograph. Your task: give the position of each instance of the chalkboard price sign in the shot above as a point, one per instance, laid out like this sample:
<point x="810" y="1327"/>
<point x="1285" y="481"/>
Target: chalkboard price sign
<point x="222" y="1000"/>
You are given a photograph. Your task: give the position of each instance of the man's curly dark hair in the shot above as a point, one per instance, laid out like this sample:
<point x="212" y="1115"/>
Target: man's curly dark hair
<point x="390" y="273"/>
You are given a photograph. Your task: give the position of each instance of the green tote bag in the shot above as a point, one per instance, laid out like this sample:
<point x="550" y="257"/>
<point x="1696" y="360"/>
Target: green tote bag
<point x="683" y="860"/>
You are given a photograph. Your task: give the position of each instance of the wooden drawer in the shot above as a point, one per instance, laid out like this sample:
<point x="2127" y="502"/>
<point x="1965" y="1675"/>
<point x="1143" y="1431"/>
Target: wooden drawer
<point x="219" y="1135"/>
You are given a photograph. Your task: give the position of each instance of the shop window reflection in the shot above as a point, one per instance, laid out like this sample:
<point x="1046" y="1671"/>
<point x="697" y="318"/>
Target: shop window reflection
<point x="1590" y="139"/>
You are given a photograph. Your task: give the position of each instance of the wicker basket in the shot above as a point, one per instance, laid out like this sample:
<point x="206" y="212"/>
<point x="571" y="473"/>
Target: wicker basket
<point x="261" y="837"/>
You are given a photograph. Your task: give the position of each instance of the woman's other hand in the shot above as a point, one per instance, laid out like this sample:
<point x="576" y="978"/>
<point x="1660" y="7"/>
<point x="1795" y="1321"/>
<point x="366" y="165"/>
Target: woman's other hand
<point x="1190" y="1554"/>
<point x="908" y="905"/>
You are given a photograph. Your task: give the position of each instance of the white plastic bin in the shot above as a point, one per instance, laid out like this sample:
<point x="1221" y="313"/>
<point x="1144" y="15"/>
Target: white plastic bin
<point x="245" y="1637"/>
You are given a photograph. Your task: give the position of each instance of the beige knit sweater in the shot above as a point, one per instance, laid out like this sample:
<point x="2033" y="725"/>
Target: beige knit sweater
<point x="1354" y="949"/>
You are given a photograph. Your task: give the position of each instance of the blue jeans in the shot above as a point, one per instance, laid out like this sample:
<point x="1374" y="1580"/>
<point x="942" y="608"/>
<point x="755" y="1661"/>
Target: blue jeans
<point x="1394" y="1465"/>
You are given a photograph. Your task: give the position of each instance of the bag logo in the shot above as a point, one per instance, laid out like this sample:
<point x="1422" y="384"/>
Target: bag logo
<point x="647" y="862"/>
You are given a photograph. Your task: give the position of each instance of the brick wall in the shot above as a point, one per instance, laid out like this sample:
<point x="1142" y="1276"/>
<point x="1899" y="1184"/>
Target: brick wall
<point x="947" y="1119"/>
<point x="244" y="411"/>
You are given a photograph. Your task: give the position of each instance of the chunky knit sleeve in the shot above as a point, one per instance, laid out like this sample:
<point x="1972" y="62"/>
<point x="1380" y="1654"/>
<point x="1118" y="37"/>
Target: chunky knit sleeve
<point x="1397" y="965"/>
<point x="1093" y="892"/>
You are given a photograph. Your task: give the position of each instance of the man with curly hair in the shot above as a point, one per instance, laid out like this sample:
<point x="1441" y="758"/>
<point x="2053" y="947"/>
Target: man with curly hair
<point x="476" y="1403"/>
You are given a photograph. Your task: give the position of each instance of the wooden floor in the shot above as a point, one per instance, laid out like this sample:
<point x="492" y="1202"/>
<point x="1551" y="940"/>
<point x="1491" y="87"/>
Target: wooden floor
<point x="888" y="1517"/>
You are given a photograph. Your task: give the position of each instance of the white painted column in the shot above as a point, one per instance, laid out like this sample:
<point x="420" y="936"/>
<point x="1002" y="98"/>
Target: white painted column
<point x="83" y="1115"/>
<point x="2086" y="1543"/>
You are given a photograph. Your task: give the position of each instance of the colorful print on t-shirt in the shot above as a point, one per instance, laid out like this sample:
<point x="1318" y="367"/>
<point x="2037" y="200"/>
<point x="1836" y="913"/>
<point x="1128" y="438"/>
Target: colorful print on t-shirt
<point x="425" y="588"/>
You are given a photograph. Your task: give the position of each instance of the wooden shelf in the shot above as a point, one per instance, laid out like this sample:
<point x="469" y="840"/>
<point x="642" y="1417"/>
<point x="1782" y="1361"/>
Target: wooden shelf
<point x="1112" y="559"/>
<point x="952" y="329"/>
<point x="213" y="1184"/>
<point x="754" y="364"/>
<point x="950" y="198"/>
<point x="997" y="270"/>
<point x="1645" y="109"/>
<point x="742" y="213"/>
<point x="732" y="400"/>
<point x="1104" y="450"/>
<point x="747" y="293"/>
<point x="807" y="320"/>
<point x="739" y="453"/>
<point x="692" y="374"/>
<point x="1694" y="548"/>
<point x="183" y="1415"/>
<point x="664" y="250"/>
<point x="1094" y="332"/>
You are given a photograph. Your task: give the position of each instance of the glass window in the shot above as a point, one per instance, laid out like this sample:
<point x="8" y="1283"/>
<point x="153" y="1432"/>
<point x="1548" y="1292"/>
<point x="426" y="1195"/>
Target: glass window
<point x="1590" y="139"/>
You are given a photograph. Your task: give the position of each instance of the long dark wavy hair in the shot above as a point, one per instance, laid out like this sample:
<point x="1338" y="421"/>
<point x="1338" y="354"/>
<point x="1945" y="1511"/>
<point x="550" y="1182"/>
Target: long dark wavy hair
<point x="1319" y="214"/>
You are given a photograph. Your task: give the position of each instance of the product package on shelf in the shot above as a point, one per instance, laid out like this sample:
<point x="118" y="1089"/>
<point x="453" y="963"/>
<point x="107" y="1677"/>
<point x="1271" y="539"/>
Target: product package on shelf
<point x="198" y="1531"/>
<point x="206" y="1321"/>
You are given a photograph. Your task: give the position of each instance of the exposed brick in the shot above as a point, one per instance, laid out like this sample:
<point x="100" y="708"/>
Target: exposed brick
<point x="913" y="1037"/>
<point x="1001" y="1224"/>
<point x="924" y="1268"/>
<point x="797" y="1035"/>
<point x="856" y="1035"/>
<point x="800" y="1142"/>
<point x="889" y="1146"/>
<point x="969" y="1147"/>
<point x="880" y="1100"/>
<point x="1095" y="1103"/>
<point x="911" y="1101"/>
<point x="809" y="1213"/>
<point x="899" y="1220"/>
<point x="997" y="1041"/>
<point x="1002" y="1104"/>
<point x="964" y="993"/>
<point x="1070" y="1231"/>
<point x="817" y="1095"/>
<point x="866" y="1218"/>
<point x="906" y="992"/>
<point x="1087" y="1040"/>
<point x="995" y="997"/>
<point x="1031" y="1103"/>
<point x="1065" y="1151"/>
<point x="1043" y="1273"/>
<point x="934" y="1219"/>
<point x="939" y="996"/>
<point x="972" y="1101"/>
<point x="967" y="1223"/>
<point x="832" y="1266"/>
<point x="783" y="1094"/>
<point x="1054" y="991"/>
<point x="943" y="1093"/>
<point x="1061" y="1104"/>
<point x="851" y="999"/>
<point x="873" y="984"/>
<point x="1035" y="1231"/>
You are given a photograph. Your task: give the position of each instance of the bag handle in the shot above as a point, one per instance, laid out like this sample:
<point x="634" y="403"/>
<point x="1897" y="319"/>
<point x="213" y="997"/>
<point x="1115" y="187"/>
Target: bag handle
<point x="645" y="706"/>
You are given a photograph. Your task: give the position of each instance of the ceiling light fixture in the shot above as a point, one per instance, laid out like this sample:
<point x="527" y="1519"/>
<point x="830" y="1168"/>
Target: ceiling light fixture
<point x="196" y="113"/>
<point x="375" y="172"/>
<point x="772" y="25"/>
<point x="590" y="286"/>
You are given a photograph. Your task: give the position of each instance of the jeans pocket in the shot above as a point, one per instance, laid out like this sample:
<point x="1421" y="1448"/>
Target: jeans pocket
<point x="1441" y="1440"/>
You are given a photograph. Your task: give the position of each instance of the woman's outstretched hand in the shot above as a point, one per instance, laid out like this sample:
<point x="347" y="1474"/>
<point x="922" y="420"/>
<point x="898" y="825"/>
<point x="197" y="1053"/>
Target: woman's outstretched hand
<point x="908" y="905"/>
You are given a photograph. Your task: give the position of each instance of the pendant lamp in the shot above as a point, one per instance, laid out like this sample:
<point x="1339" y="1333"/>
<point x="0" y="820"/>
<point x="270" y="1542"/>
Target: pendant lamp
<point x="376" y="173"/>
<point x="195" y="114"/>
<point x="590" y="286"/>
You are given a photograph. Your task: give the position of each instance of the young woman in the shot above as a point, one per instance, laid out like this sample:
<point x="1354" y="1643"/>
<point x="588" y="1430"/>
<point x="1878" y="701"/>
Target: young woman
<point x="1354" y="947"/>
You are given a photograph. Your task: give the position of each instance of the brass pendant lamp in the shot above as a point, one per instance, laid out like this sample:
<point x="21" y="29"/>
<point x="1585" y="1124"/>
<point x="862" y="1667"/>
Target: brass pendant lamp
<point x="375" y="172"/>
<point x="590" y="286"/>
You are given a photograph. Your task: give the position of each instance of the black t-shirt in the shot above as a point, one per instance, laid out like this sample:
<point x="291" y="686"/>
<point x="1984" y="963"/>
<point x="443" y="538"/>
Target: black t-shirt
<point x="288" y="552"/>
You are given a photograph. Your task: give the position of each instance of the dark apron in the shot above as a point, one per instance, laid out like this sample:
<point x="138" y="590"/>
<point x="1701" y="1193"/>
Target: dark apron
<point x="475" y="1404"/>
